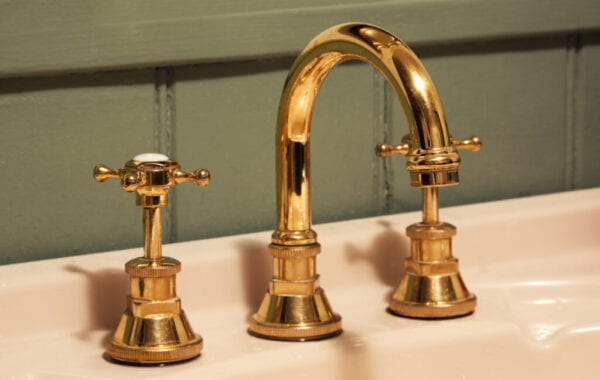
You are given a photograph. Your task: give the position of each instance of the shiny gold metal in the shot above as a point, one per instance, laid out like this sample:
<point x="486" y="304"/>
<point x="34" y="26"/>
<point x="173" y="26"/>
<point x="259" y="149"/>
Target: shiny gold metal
<point x="295" y="307"/>
<point x="386" y="150"/>
<point x="472" y="143"/>
<point x="382" y="150"/>
<point x="432" y="286"/>
<point x="432" y="160"/>
<point x="153" y="328"/>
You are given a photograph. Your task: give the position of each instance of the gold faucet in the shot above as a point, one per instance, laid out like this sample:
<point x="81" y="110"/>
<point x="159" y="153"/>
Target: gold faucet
<point x="153" y="328"/>
<point x="295" y="307"/>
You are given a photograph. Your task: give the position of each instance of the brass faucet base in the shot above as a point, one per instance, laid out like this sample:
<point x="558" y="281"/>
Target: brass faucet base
<point x="295" y="318"/>
<point x="418" y="297"/>
<point x="295" y="306"/>
<point x="153" y="329"/>
<point x="154" y="340"/>
<point x="432" y="286"/>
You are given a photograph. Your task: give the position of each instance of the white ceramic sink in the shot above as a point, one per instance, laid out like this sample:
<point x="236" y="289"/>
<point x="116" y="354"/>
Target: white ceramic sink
<point x="534" y="264"/>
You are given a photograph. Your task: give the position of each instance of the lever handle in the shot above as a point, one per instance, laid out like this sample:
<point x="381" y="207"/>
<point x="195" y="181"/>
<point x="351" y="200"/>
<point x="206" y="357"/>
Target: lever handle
<point x="472" y="143"/>
<point x="386" y="150"/>
<point x="151" y="173"/>
<point x="130" y="179"/>
<point x="383" y="150"/>
<point x="103" y="172"/>
<point x="200" y="177"/>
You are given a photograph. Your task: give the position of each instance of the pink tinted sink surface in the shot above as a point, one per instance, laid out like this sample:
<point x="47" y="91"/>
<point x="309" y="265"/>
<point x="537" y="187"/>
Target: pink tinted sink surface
<point x="534" y="264"/>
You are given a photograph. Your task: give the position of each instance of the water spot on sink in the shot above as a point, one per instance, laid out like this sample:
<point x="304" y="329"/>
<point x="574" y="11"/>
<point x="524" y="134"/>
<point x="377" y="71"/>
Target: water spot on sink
<point x="543" y="334"/>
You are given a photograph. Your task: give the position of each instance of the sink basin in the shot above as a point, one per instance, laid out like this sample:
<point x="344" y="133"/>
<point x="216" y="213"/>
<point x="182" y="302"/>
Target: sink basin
<point x="534" y="264"/>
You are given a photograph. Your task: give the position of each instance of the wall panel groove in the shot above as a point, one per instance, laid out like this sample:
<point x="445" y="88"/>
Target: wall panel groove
<point x="164" y="125"/>
<point x="385" y="96"/>
<point x="587" y="171"/>
<point x="572" y="117"/>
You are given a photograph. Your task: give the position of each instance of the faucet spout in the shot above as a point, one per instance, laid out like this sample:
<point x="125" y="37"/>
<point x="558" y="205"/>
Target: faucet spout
<point x="295" y="306"/>
<point x="432" y="159"/>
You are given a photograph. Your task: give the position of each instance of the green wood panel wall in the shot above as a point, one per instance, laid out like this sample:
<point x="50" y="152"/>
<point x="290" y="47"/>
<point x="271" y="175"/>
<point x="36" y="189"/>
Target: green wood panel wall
<point x="226" y="118"/>
<point x="225" y="122"/>
<point x="347" y="178"/>
<point x="54" y="130"/>
<point x="587" y="113"/>
<point x="523" y="77"/>
<point x="513" y="95"/>
<point x="39" y="36"/>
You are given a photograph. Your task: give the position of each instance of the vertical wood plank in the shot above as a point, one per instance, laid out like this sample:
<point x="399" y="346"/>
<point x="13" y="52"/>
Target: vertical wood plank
<point x="225" y="122"/>
<point x="241" y="101"/>
<point x="164" y="121"/>
<point x="587" y="159"/>
<point x="54" y="131"/>
<point x="512" y="94"/>
<point x="347" y="177"/>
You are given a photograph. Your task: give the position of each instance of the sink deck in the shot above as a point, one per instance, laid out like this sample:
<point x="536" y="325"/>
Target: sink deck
<point x="534" y="264"/>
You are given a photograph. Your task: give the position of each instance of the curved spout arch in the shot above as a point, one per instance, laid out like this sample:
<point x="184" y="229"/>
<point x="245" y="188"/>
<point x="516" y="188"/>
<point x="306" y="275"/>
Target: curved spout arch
<point x="432" y="161"/>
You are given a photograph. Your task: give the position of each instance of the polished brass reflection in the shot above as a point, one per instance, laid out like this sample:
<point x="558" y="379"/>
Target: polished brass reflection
<point x="295" y="307"/>
<point x="153" y="328"/>
<point x="432" y="286"/>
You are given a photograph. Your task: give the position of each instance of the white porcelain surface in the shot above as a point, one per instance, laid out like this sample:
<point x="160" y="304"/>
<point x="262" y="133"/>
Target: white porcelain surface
<point x="151" y="157"/>
<point x="534" y="264"/>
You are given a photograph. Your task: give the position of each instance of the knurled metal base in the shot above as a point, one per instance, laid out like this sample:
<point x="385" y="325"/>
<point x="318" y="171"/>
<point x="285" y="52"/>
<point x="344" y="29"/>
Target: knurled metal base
<point x="155" y="355"/>
<point x="295" y="318"/>
<point x="296" y="333"/>
<point x="154" y="339"/>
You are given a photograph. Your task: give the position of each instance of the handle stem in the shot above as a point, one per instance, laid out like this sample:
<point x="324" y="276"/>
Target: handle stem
<point x="152" y="233"/>
<point x="430" y="205"/>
